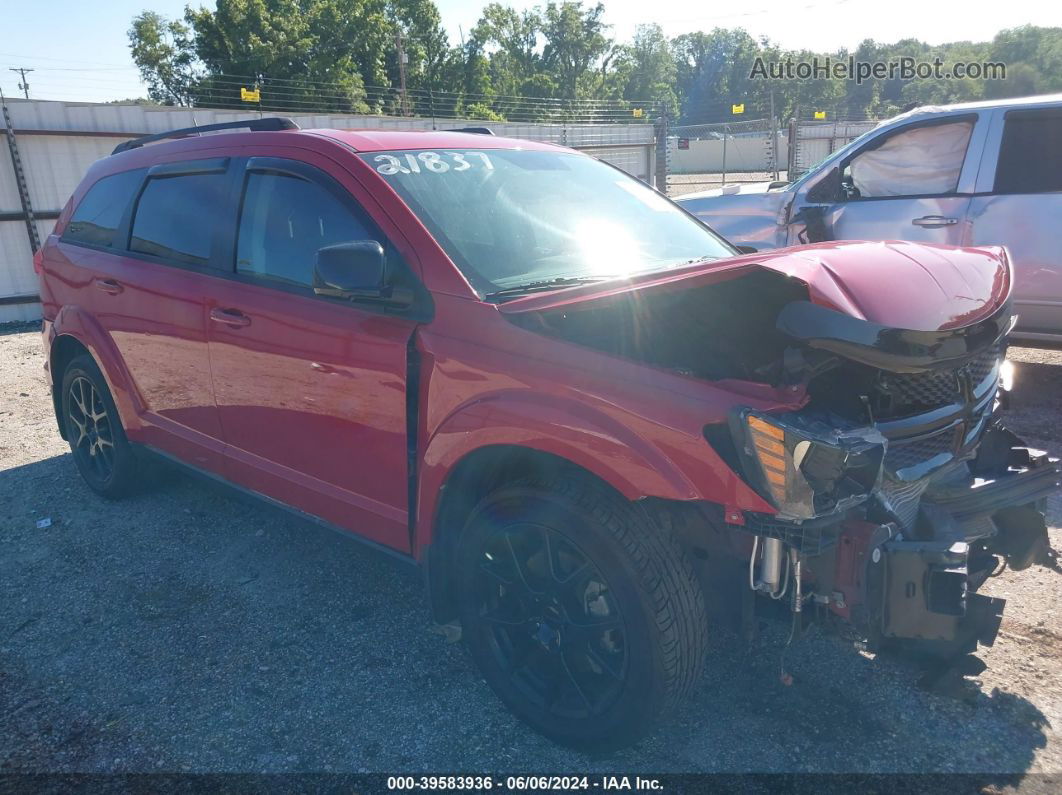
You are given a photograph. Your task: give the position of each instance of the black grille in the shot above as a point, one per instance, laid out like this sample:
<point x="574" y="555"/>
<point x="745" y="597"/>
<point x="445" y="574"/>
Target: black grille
<point x="980" y="367"/>
<point x="925" y="389"/>
<point x="940" y="387"/>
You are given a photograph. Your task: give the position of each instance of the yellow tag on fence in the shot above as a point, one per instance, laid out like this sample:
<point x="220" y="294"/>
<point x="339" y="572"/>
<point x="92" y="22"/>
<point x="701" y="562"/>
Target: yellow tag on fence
<point x="251" y="95"/>
<point x="820" y="114"/>
<point x="637" y="113"/>
<point x="738" y="108"/>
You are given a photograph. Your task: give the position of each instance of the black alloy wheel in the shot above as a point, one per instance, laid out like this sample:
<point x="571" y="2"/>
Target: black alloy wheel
<point x="553" y="621"/>
<point x="584" y="616"/>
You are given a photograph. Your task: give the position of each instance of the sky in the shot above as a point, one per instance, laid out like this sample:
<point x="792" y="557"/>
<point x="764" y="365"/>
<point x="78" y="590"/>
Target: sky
<point x="80" y="52"/>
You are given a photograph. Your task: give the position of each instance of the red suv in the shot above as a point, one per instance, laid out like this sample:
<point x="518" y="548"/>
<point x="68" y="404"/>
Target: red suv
<point x="595" y="426"/>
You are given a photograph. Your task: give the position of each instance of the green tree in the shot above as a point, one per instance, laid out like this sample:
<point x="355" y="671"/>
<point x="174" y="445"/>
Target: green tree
<point x="651" y="69"/>
<point x="506" y="42"/>
<point x="162" y="51"/>
<point x="714" y="71"/>
<point x="539" y="64"/>
<point x="575" y="44"/>
<point x="303" y="52"/>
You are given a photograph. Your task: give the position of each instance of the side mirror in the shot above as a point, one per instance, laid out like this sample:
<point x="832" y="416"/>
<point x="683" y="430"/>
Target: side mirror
<point x="827" y="190"/>
<point x="350" y="270"/>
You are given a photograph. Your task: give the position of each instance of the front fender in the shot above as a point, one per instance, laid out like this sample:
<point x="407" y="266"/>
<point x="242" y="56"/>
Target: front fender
<point x="743" y="219"/>
<point x="564" y="428"/>
<point x="628" y="461"/>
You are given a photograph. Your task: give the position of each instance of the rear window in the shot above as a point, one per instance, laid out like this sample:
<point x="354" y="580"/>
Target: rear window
<point x="1030" y="156"/>
<point x="96" y="219"/>
<point x="175" y="217"/>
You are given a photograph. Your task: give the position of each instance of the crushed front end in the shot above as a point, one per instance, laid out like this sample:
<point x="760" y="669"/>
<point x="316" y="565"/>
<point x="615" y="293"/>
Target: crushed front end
<point x="887" y="487"/>
<point x="898" y="489"/>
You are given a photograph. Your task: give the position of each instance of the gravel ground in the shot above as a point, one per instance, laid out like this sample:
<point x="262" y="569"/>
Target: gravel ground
<point x="187" y="630"/>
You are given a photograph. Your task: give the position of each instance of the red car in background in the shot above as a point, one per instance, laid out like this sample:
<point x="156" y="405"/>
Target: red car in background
<point x="595" y="426"/>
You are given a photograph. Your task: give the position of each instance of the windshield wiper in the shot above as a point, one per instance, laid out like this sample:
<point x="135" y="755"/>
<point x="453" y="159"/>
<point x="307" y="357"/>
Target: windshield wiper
<point x="545" y="284"/>
<point x="705" y="258"/>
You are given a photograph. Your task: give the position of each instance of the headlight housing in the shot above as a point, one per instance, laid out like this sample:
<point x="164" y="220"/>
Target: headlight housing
<point x="808" y="467"/>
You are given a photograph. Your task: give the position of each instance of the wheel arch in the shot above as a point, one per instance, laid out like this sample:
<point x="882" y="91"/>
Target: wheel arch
<point x="76" y="332"/>
<point x="64" y="349"/>
<point x="477" y="474"/>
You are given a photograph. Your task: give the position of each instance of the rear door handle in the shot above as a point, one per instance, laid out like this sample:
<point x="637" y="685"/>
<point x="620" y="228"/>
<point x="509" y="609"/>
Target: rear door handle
<point x="933" y="221"/>
<point x="230" y="317"/>
<point x="109" y="286"/>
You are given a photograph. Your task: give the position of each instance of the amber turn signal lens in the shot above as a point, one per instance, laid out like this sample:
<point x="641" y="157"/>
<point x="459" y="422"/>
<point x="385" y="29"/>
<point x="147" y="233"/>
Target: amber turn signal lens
<point x="769" y="441"/>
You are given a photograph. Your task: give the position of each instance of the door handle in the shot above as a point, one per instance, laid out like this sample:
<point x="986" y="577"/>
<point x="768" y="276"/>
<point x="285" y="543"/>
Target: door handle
<point x="230" y="317"/>
<point x="934" y="221"/>
<point x="109" y="286"/>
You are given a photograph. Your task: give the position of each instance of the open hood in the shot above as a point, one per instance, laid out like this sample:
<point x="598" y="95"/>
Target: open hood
<point x="893" y="284"/>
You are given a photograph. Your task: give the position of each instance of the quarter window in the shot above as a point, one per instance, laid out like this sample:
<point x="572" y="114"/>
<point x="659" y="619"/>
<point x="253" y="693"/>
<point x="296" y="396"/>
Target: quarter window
<point x="1030" y="155"/>
<point x="176" y="215"/>
<point x="284" y="221"/>
<point x="98" y="215"/>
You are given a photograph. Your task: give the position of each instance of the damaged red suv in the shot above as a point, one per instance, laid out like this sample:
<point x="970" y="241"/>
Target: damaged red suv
<point x="597" y="428"/>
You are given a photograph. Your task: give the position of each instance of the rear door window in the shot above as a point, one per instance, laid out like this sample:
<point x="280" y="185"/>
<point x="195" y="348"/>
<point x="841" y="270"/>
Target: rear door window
<point x="284" y="221"/>
<point x="1030" y="155"/>
<point x="97" y="217"/>
<point x="176" y="217"/>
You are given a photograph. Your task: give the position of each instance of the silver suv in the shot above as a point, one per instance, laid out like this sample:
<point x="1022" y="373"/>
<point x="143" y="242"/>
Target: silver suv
<point x="965" y="175"/>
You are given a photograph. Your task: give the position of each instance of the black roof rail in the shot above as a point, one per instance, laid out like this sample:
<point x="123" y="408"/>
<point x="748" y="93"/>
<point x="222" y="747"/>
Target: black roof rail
<point x="475" y="130"/>
<point x="270" y="124"/>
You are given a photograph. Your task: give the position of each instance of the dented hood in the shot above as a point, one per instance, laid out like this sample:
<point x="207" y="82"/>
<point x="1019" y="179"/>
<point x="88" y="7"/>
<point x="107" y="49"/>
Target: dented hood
<point x="892" y="284"/>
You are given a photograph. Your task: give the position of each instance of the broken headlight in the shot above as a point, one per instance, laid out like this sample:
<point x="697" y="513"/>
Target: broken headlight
<point x="808" y="467"/>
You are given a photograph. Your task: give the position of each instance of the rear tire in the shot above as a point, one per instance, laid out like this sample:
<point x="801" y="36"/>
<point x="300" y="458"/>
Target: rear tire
<point x="94" y="430"/>
<point x="585" y="619"/>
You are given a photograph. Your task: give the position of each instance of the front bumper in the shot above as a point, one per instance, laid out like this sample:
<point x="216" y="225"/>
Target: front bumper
<point x="920" y="585"/>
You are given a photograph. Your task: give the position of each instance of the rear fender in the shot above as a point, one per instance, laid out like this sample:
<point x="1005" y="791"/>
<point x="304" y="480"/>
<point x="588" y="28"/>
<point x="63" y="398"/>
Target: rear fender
<point x="72" y="321"/>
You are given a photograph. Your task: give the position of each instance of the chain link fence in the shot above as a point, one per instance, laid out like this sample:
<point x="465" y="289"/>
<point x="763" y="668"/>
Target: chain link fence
<point x="692" y="158"/>
<point x="813" y="141"/>
<point x="704" y="156"/>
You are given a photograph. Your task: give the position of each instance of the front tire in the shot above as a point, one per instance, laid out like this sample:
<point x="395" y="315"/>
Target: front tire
<point x="94" y="430"/>
<point x="585" y="619"/>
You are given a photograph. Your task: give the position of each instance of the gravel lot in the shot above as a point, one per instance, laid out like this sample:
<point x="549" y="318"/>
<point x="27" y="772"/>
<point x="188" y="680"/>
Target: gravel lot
<point x="186" y="630"/>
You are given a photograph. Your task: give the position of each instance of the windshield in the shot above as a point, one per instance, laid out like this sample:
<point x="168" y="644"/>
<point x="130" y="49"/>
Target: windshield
<point x="516" y="219"/>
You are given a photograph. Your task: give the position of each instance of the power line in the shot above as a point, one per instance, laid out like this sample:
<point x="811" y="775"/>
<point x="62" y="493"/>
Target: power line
<point x="328" y="97"/>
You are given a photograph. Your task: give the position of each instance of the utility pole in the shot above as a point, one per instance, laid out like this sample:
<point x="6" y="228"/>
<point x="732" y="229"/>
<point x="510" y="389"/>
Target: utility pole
<point x="726" y="128"/>
<point x="403" y="59"/>
<point x="774" y="139"/>
<point x="23" y="86"/>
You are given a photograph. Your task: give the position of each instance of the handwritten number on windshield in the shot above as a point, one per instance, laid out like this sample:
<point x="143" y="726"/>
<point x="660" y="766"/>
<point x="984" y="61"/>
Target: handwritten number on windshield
<point x="430" y="162"/>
